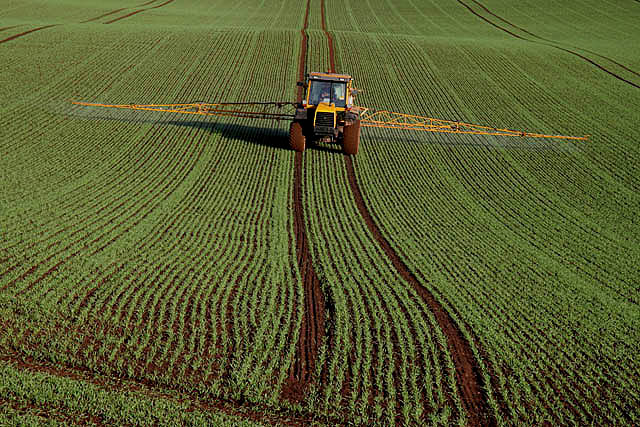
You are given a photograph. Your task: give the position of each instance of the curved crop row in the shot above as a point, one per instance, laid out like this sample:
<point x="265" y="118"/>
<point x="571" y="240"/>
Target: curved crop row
<point x="187" y="191"/>
<point x="385" y="357"/>
<point x="472" y="204"/>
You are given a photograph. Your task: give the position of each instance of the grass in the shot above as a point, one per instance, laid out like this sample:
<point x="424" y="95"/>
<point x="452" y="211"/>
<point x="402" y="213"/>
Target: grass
<point x="162" y="249"/>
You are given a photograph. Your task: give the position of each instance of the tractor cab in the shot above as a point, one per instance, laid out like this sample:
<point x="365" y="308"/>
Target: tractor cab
<point x="327" y="92"/>
<point x="327" y="108"/>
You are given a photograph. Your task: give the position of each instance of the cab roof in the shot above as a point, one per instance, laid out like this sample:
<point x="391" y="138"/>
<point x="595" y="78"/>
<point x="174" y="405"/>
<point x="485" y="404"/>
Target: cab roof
<point x="329" y="77"/>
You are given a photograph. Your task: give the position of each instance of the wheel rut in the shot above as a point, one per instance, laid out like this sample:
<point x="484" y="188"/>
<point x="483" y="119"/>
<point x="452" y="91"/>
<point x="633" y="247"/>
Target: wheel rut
<point x="24" y="33"/>
<point x="312" y="328"/>
<point x="553" y="41"/>
<point x="135" y="12"/>
<point x="115" y="11"/>
<point x="467" y="371"/>
<point x="584" y="58"/>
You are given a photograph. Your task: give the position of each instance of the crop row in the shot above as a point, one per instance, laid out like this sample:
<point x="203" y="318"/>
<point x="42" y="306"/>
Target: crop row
<point x="124" y="180"/>
<point x="168" y="244"/>
<point x="384" y="357"/>
<point x="468" y="204"/>
<point x="38" y="397"/>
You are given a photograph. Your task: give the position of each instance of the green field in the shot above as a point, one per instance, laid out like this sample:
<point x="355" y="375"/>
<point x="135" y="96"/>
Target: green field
<point x="157" y="268"/>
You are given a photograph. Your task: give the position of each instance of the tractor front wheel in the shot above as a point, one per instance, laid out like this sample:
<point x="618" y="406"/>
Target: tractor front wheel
<point x="296" y="137"/>
<point x="351" y="138"/>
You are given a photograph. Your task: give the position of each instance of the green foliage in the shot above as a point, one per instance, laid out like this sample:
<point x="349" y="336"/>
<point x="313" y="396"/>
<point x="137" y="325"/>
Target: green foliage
<point x="161" y="248"/>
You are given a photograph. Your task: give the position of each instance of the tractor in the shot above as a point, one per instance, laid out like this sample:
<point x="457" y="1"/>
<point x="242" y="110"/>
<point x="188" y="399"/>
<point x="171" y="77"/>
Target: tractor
<point x="326" y="113"/>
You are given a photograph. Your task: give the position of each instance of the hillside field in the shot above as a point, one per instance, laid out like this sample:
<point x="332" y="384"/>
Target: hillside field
<point x="166" y="269"/>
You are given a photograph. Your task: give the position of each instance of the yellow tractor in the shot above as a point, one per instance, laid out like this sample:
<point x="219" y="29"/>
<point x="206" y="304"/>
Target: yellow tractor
<point x="327" y="113"/>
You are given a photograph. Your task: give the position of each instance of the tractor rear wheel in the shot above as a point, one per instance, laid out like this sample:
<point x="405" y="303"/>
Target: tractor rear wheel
<point x="296" y="137"/>
<point x="351" y="138"/>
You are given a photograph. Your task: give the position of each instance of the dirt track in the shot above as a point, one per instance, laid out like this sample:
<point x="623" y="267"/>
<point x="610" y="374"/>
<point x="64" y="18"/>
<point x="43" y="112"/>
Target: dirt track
<point x="25" y="32"/>
<point x="312" y="328"/>
<point x="468" y="376"/>
<point x="135" y="12"/>
<point x="584" y="58"/>
<point x="469" y="379"/>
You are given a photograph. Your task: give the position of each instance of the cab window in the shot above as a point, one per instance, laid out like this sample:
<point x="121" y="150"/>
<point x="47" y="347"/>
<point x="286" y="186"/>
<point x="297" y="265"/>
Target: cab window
<point x="328" y="92"/>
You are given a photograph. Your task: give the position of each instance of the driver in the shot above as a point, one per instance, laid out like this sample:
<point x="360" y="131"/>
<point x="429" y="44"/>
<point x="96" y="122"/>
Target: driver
<point x="324" y="97"/>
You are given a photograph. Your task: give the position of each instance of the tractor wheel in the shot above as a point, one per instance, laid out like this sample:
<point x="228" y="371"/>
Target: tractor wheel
<point x="351" y="138"/>
<point x="296" y="137"/>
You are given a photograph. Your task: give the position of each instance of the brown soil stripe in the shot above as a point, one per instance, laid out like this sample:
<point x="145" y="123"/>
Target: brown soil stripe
<point x="116" y="11"/>
<point x="247" y="410"/>
<point x="468" y="375"/>
<point x="138" y="11"/>
<point x="27" y="32"/>
<point x="553" y="41"/>
<point x="303" y="53"/>
<point x="550" y="45"/>
<point x="312" y="328"/>
<point x="51" y="412"/>
<point x="102" y="16"/>
<point x="332" y="62"/>
<point x="135" y="12"/>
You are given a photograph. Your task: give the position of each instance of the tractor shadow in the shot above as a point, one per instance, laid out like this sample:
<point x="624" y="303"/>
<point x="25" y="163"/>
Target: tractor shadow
<point x="259" y="135"/>
<point x="270" y="135"/>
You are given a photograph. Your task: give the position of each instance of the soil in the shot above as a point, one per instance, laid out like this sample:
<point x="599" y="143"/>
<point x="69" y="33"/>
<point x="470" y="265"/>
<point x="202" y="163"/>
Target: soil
<point x="469" y="379"/>
<point x="332" y="61"/>
<point x="26" y="32"/>
<point x="103" y="15"/>
<point x="312" y="328"/>
<point x="138" y="11"/>
<point x="584" y="58"/>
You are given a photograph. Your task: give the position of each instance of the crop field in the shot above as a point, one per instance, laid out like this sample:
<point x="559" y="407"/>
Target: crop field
<point x="166" y="269"/>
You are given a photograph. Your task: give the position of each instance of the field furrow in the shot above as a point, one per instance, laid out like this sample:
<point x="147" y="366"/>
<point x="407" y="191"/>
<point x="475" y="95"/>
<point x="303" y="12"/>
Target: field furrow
<point x="161" y="268"/>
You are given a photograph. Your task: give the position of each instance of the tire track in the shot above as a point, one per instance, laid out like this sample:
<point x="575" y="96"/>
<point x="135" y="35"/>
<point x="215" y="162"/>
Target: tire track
<point x="115" y="11"/>
<point x="467" y="371"/>
<point x="332" y="61"/>
<point x="104" y="15"/>
<point x="553" y="41"/>
<point x="27" y="32"/>
<point x="312" y="328"/>
<point x="135" y="12"/>
<point x="8" y="28"/>
<point x="387" y="315"/>
<point x="592" y="62"/>
<point x="468" y="376"/>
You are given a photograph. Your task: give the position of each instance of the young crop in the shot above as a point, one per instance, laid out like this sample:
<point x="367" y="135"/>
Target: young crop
<point x="153" y="268"/>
